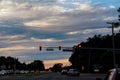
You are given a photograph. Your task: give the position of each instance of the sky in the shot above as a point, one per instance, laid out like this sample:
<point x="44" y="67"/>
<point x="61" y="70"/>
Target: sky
<point x="26" y="24"/>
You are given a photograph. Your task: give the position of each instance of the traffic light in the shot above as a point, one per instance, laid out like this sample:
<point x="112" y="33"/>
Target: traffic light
<point x="118" y="10"/>
<point x="59" y="47"/>
<point x="118" y="15"/>
<point x="40" y="47"/>
<point x="79" y="46"/>
<point x="116" y="24"/>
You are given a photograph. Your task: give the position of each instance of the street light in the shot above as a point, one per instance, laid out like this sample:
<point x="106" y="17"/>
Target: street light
<point x="114" y="25"/>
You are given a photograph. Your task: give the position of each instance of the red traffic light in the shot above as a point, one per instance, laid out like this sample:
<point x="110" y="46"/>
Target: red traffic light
<point x="79" y="46"/>
<point x="40" y="48"/>
<point x="59" y="47"/>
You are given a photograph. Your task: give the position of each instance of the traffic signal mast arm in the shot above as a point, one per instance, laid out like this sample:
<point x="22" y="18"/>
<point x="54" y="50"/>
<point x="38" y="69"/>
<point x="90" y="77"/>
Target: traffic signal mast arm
<point x="59" y="47"/>
<point x="78" y="47"/>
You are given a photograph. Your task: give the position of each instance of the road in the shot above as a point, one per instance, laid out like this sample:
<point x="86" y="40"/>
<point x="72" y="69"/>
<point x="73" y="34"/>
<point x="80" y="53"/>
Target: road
<point x="54" y="76"/>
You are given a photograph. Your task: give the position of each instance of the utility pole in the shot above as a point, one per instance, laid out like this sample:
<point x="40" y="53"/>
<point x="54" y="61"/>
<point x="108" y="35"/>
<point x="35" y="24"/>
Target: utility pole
<point x="114" y="24"/>
<point x="119" y="14"/>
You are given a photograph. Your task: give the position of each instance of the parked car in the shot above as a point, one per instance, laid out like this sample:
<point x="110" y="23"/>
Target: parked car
<point x="64" y="72"/>
<point x="73" y="72"/>
<point x="113" y="74"/>
<point x="3" y="72"/>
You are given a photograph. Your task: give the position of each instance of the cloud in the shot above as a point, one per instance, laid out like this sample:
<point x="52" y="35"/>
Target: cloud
<point x="37" y="24"/>
<point x="13" y="40"/>
<point x="29" y="18"/>
<point x="11" y="37"/>
<point x="72" y="33"/>
<point x="49" y="63"/>
<point x="112" y="6"/>
<point x="85" y="7"/>
<point x="56" y="17"/>
<point x="16" y="48"/>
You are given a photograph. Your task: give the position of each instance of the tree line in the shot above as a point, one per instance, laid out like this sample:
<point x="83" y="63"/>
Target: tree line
<point x="92" y="59"/>
<point x="11" y="63"/>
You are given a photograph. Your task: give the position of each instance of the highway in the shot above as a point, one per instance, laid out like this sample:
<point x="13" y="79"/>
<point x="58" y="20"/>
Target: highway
<point x="54" y="76"/>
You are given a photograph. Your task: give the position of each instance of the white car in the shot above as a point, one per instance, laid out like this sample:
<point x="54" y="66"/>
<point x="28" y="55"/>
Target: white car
<point x="113" y="74"/>
<point x="73" y="72"/>
<point x="3" y="72"/>
<point x="64" y="72"/>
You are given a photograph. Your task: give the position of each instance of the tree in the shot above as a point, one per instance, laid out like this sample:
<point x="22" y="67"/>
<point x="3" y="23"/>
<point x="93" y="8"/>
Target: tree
<point x="37" y="65"/>
<point x="9" y="62"/>
<point x="57" y="67"/>
<point x="2" y="60"/>
<point x="85" y="57"/>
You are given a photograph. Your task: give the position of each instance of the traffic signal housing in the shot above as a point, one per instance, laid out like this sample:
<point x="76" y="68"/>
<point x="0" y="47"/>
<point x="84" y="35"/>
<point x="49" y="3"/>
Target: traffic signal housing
<point x="40" y="47"/>
<point x="59" y="47"/>
<point x="119" y="14"/>
<point x="79" y="46"/>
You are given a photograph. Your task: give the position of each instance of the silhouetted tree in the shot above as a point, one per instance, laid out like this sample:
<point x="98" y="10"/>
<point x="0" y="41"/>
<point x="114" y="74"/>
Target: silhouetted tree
<point x="92" y="58"/>
<point x="2" y="60"/>
<point x="11" y="63"/>
<point x="57" y="67"/>
<point x="36" y="65"/>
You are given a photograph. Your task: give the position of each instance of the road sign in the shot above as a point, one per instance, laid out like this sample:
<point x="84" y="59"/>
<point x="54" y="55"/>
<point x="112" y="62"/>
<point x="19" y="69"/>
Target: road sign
<point x="49" y="49"/>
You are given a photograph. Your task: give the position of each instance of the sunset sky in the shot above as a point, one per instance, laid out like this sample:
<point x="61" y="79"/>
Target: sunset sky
<point x="26" y="24"/>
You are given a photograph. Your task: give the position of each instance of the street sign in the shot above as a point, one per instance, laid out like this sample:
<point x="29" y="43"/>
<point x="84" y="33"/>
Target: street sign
<point x="49" y="49"/>
<point x="67" y="50"/>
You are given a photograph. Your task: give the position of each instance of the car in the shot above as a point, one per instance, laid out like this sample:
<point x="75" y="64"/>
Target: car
<point x="73" y="72"/>
<point x="64" y="72"/>
<point x="113" y="74"/>
<point x="3" y="72"/>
